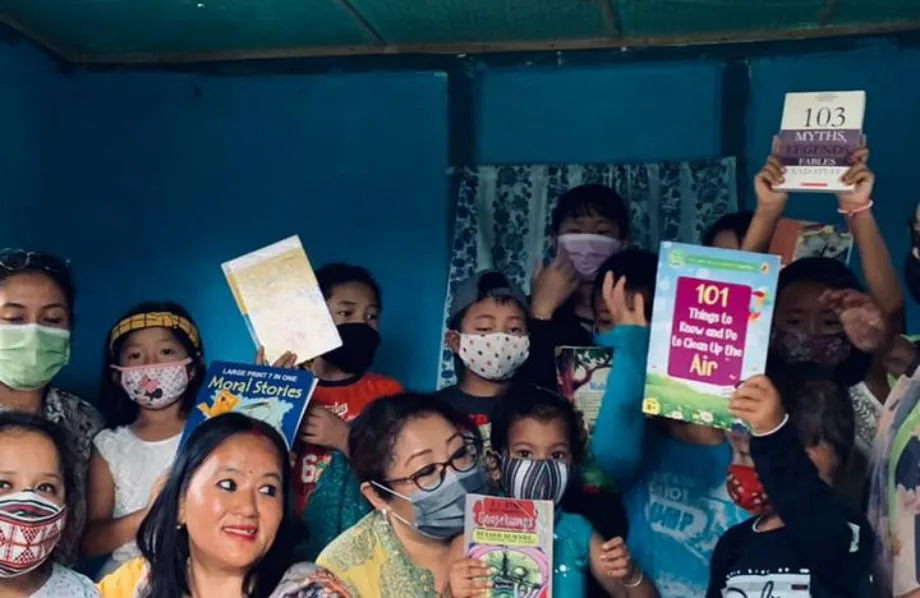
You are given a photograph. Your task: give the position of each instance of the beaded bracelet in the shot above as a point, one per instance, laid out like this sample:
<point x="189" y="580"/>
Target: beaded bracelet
<point x="854" y="211"/>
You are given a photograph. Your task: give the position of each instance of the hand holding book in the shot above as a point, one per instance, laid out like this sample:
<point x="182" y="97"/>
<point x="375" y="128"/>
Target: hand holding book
<point x="469" y="578"/>
<point x="770" y="177"/>
<point x="862" y="179"/>
<point x="287" y="361"/>
<point x="758" y="403"/>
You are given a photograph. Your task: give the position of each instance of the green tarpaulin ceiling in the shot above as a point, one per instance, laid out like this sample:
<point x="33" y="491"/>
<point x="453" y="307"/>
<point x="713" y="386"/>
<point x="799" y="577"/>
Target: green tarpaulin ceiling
<point x="189" y="30"/>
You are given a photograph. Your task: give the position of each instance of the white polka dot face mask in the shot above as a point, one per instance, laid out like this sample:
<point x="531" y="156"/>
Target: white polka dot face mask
<point x="495" y="356"/>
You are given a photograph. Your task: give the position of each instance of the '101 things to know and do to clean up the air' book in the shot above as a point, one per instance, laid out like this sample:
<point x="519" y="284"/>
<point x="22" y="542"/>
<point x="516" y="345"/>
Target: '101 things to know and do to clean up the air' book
<point x="710" y="330"/>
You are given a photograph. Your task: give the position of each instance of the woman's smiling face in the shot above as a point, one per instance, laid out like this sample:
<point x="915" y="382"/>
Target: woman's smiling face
<point x="234" y="503"/>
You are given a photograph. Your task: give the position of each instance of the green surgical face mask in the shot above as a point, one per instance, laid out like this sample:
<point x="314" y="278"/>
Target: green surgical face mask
<point x="31" y="355"/>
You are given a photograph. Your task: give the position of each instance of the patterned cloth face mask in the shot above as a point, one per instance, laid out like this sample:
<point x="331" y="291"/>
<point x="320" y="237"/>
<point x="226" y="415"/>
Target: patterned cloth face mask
<point x="528" y="479"/>
<point x="796" y="346"/>
<point x="746" y="490"/>
<point x="30" y="527"/>
<point x="495" y="356"/>
<point x="155" y="386"/>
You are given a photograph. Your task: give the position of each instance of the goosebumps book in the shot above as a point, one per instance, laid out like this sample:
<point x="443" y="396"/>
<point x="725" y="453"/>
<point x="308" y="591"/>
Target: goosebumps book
<point x="277" y="397"/>
<point x="514" y="538"/>
<point x="710" y="330"/>
<point x="582" y="375"/>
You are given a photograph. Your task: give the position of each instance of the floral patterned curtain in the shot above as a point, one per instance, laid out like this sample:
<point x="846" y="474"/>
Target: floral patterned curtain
<point x="503" y="213"/>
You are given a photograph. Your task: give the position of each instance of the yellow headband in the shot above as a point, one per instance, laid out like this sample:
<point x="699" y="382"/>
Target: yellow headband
<point x="156" y="319"/>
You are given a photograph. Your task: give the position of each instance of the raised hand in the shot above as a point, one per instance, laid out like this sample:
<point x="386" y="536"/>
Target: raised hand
<point x="624" y="309"/>
<point x="862" y="320"/>
<point x="287" y="361"/>
<point x="769" y="177"/>
<point x="551" y="286"/>
<point x="862" y="178"/>
<point x="758" y="403"/>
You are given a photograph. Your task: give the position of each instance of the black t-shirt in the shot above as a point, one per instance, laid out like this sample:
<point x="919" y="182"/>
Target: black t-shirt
<point x="478" y="409"/>
<point x="822" y="551"/>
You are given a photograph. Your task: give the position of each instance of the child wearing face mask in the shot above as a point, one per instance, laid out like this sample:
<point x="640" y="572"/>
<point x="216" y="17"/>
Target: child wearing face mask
<point x="802" y="541"/>
<point x="153" y="367"/>
<point x="36" y="485"/>
<point x="537" y="436"/>
<point x="671" y="474"/>
<point x="488" y="337"/>
<point x="327" y="495"/>
<point x="589" y="224"/>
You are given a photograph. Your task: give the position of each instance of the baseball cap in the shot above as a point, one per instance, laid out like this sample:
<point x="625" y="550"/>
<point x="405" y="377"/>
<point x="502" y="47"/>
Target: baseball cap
<point x="485" y="284"/>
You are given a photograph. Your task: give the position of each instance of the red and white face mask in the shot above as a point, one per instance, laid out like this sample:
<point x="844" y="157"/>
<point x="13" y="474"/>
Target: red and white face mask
<point x="30" y="527"/>
<point x="155" y="386"/>
<point x="746" y="490"/>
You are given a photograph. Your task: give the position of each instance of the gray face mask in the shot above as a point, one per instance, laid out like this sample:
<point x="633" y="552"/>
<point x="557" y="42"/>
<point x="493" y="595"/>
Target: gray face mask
<point x="439" y="513"/>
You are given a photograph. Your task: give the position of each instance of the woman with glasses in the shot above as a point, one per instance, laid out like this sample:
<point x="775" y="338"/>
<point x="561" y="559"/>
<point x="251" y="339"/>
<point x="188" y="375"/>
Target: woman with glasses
<point x="416" y="459"/>
<point x="36" y="316"/>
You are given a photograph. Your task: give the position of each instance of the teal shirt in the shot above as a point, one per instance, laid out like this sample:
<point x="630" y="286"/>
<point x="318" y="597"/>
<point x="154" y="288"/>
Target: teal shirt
<point x="571" y="555"/>
<point x="336" y="505"/>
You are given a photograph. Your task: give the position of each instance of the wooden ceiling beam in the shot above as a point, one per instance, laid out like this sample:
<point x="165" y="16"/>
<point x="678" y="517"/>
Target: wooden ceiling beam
<point x="365" y="25"/>
<point x="611" y="18"/>
<point x="605" y="43"/>
<point x="828" y="12"/>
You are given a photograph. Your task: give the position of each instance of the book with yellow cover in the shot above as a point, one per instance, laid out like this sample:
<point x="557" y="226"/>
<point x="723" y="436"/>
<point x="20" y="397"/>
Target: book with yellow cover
<point x="280" y="299"/>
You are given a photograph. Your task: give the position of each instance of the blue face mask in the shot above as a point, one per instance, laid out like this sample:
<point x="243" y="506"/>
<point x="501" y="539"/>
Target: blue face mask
<point x="439" y="513"/>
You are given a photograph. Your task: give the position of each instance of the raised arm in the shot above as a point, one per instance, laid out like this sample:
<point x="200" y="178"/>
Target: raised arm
<point x="770" y="204"/>
<point x="619" y="432"/>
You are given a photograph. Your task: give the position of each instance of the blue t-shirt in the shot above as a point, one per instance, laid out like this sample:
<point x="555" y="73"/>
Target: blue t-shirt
<point x="571" y="555"/>
<point x="678" y="510"/>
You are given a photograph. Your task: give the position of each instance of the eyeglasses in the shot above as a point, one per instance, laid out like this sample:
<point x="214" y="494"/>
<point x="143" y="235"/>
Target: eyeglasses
<point x="430" y="477"/>
<point x="14" y="260"/>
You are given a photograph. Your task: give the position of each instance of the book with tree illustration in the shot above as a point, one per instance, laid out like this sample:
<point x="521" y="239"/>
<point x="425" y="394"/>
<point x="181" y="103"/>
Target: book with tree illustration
<point x="582" y="376"/>
<point x="710" y="330"/>
<point x="277" y="397"/>
<point x="514" y="538"/>
<point x="797" y="239"/>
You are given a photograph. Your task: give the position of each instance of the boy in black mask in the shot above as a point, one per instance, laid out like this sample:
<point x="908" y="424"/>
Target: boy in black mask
<point x="345" y="388"/>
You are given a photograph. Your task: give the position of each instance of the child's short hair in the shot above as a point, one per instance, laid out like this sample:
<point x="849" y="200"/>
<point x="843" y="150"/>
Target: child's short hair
<point x="591" y="199"/>
<point x="489" y="284"/>
<point x="331" y="276"/>
<point x="640" y="267"/>
<point x="819" y="407"/>
<point x="736" y="222"/>
<point x="524" y="401"/>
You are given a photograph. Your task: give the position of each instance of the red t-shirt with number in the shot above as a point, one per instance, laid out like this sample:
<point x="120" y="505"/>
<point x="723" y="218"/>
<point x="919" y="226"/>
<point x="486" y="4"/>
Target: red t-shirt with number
<point x="347" y="399"/>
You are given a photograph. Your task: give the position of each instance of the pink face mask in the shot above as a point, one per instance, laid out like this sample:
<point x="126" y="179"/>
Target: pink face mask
<point x="155" y="386"/>
<point x="588" y="252"/>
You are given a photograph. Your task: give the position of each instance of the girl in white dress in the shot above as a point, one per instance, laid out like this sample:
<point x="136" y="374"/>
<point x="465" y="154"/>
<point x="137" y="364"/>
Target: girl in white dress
<point x="36" y="483"/>
<point x="154" y="364"/>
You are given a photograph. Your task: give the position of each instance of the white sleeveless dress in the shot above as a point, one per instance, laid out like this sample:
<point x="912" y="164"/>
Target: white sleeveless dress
<point x="135" y="465"/>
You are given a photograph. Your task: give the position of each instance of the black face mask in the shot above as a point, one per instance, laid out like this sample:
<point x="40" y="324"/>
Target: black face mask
<point x="912" y="276"/>
<point x="359" y="344"/>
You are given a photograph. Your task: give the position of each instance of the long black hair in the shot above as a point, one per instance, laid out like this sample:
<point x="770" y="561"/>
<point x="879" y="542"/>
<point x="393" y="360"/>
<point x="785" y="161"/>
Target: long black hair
<point x="165" y="546"/>
<point x="24" y="422"/>
<point x="118" y="409"/>
<point x="834" y="275"/>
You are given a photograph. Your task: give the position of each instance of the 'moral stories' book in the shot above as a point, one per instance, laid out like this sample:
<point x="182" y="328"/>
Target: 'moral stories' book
<point x="276" y="396"/>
